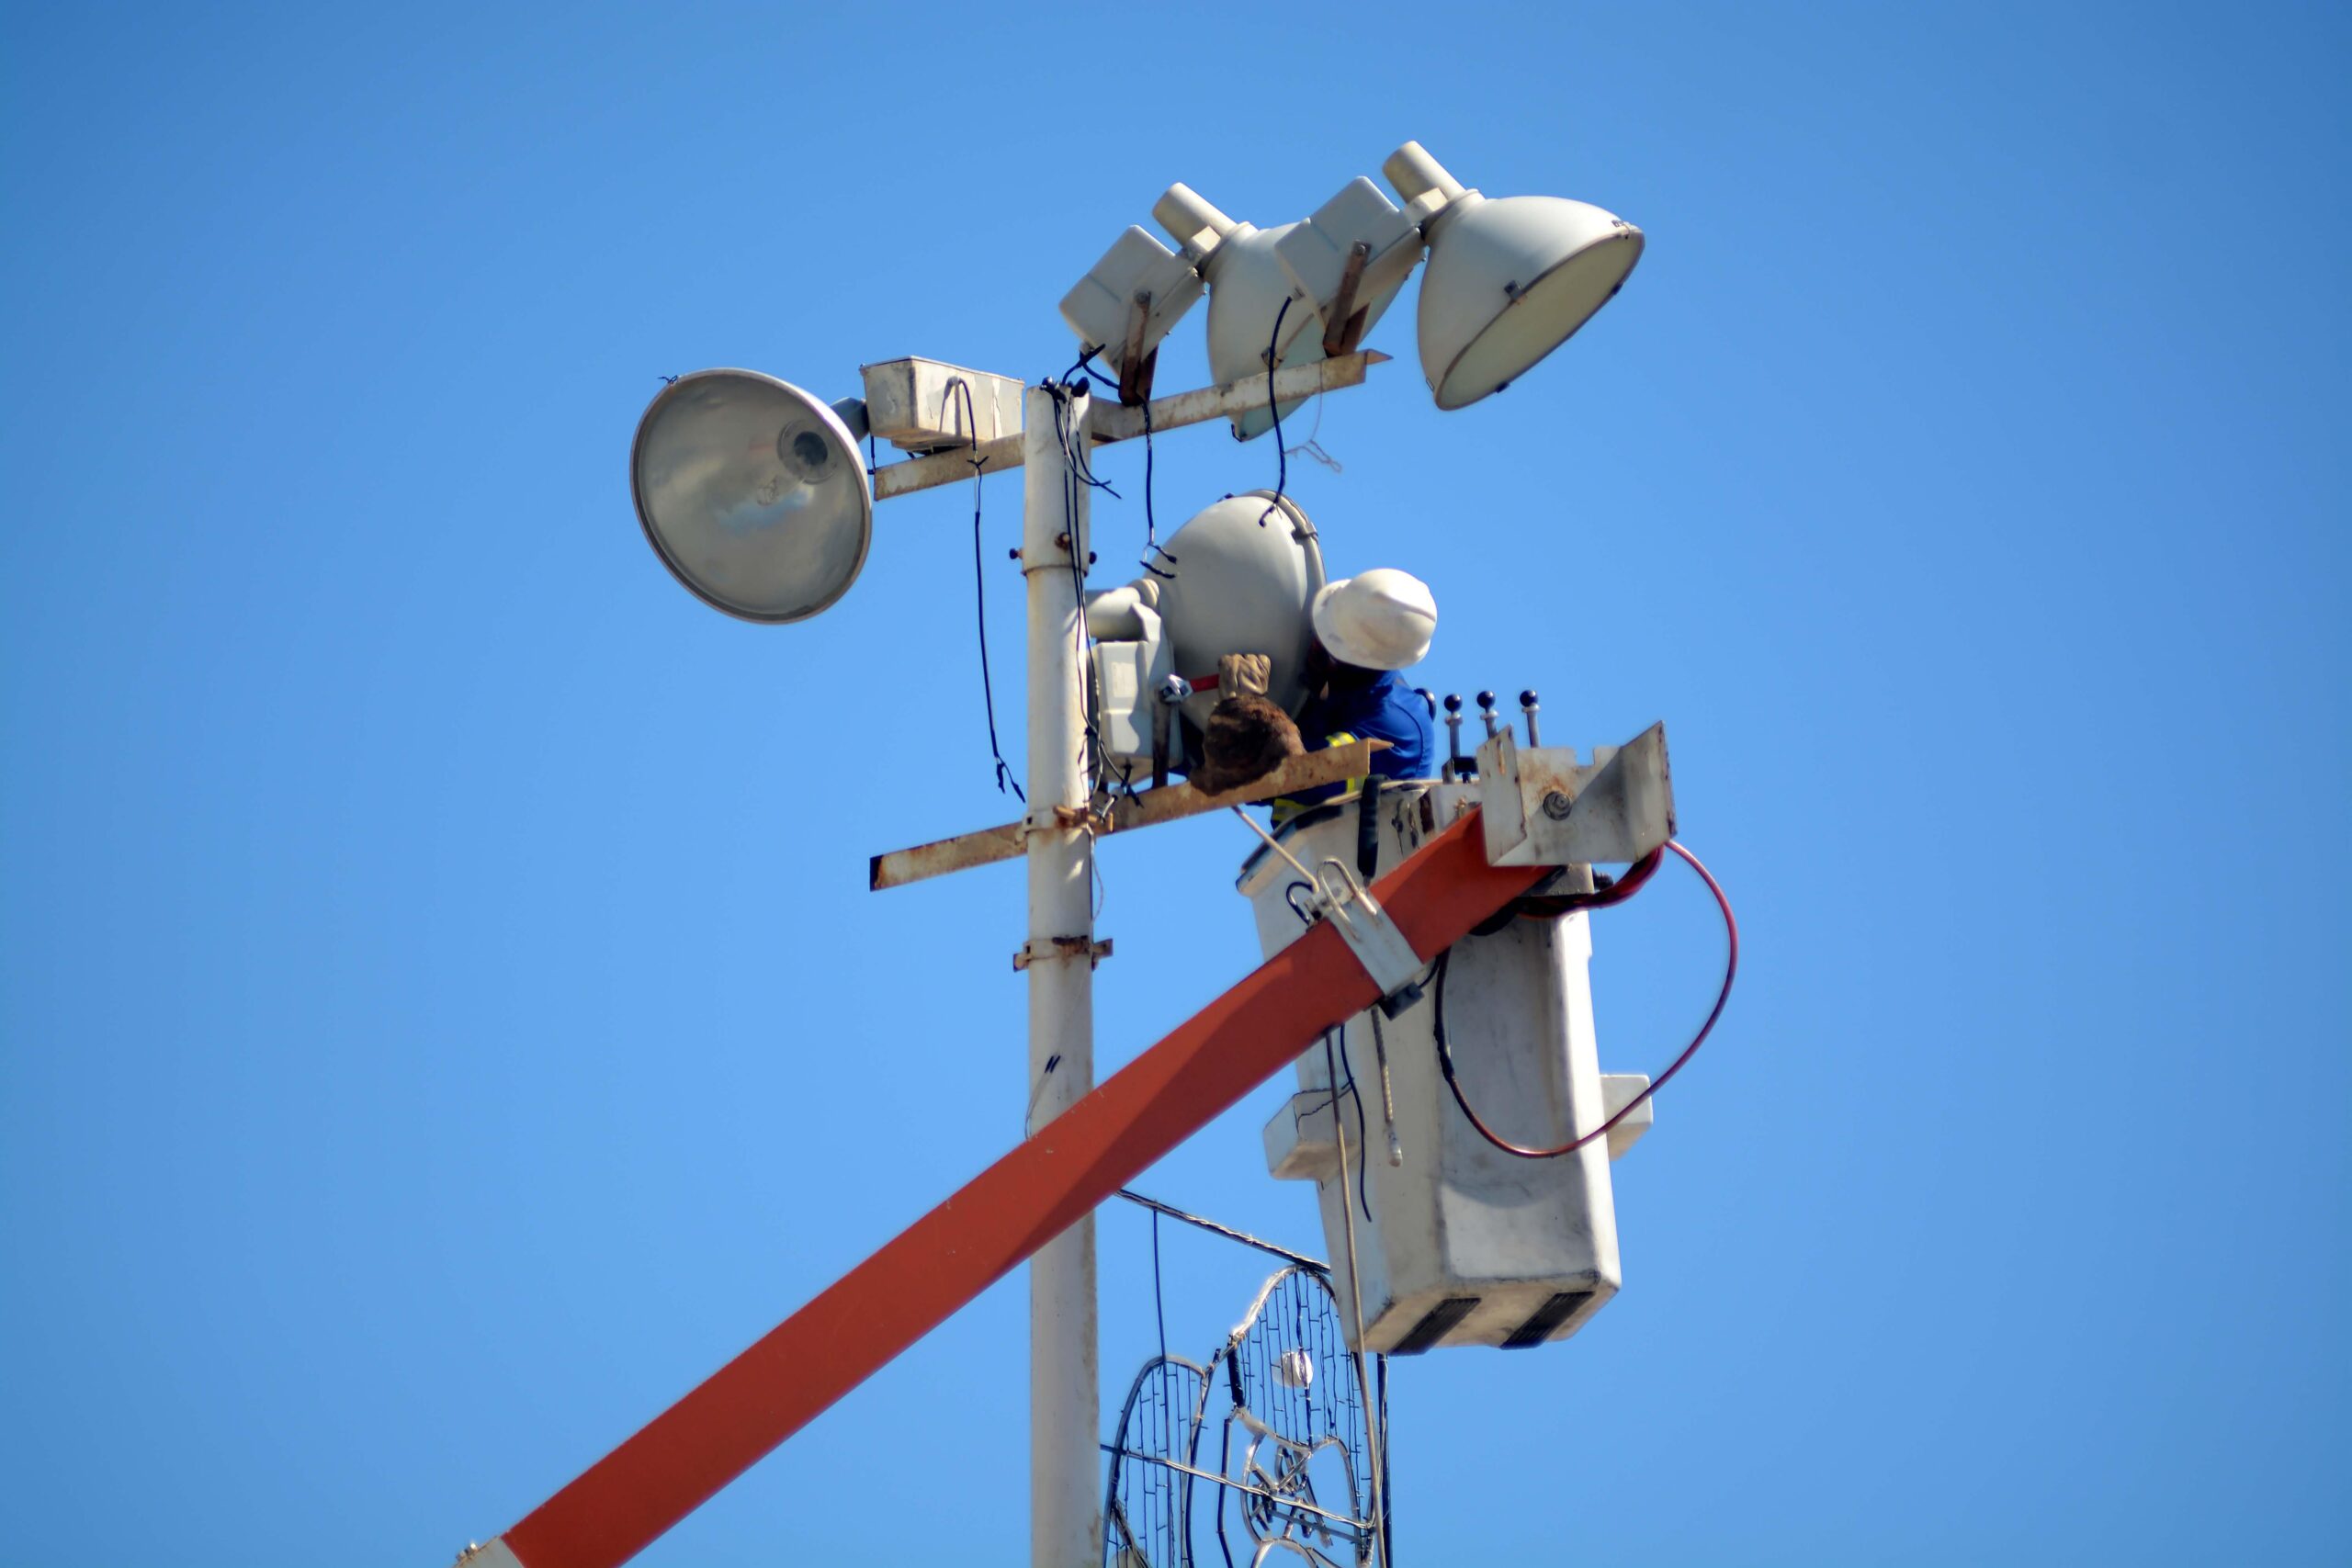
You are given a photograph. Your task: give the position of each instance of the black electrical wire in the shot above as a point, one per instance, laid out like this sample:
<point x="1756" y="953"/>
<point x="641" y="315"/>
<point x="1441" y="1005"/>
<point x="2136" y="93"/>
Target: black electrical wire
<point x="1387" y="1492"/>
<point x="1330" y="1072"/>
<point x="1158" y="1305"/>
<point x="1087" y="367"/>
<point x="1150" y="524"/>
<point x="1731" y="971"/>
<point x="1081" y="461"/>
<point x="1004" y="779"/>
<point x="1213" y="1228"/>
<point x="1282" y="458"/>
<point x="1075" y="473"/>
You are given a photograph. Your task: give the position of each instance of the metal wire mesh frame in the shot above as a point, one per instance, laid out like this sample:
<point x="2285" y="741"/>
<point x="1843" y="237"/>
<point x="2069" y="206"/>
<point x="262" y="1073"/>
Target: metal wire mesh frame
<point x="1268" y="1512"/>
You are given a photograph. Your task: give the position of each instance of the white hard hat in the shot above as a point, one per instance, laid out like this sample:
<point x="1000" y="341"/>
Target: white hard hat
<point x="1381" y="620"/>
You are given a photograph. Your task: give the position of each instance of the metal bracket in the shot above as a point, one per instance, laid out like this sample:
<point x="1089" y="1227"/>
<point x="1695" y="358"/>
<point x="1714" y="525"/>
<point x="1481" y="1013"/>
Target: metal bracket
<point x="1347" y="322"/>
<point x="1541" y="808"/>
<point x="1030" y="951"/>
<point x="1335" y="893"/>
<point x="1340" y="897"/>
<point x="1137" y="363"/>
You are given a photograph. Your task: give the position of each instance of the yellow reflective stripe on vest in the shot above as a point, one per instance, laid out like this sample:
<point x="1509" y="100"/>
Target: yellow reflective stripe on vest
<point x="1285" y="808"/>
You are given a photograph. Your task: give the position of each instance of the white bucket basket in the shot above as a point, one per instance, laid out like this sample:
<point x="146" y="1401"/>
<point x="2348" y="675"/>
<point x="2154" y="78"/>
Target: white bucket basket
<point x="1459" y="1243"/>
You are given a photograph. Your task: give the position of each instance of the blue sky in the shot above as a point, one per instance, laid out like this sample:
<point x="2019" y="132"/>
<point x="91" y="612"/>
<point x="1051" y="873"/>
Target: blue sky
<point x="441" y="1015"/>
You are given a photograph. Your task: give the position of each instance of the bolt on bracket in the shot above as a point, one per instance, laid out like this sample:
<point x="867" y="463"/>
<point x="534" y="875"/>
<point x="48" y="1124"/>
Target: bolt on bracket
<point x="1540" y="806"/>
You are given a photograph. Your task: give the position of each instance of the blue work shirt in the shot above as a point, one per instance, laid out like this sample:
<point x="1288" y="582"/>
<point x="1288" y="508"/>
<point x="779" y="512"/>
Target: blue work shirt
<point x="1385" y="710"/>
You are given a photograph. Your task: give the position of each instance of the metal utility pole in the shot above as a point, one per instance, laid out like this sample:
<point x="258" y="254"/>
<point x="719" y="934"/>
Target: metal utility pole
<point x="1065" y="1399"/>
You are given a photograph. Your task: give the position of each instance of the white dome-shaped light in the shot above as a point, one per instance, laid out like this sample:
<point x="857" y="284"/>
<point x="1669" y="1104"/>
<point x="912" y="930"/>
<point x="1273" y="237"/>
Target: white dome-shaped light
<point x="753" y="493"/>
<point x="1248" y="294"/>
<point x="1508" y="280"/>
<point x="1239" y="578"/>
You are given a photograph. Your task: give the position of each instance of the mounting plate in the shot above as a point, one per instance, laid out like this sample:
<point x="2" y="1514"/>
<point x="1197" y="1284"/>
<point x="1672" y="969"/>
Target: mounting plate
<point x="1542" y="808"/>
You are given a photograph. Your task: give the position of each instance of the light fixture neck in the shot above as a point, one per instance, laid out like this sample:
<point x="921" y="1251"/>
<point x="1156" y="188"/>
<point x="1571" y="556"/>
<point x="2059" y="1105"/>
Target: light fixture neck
<point x="1197" y="225"/>
<point x="1422" y="182"/>
<point x="1438" y="221"/>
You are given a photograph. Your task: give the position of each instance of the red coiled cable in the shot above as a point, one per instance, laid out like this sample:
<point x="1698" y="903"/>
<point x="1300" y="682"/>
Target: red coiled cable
<point x="1625" y="887"/>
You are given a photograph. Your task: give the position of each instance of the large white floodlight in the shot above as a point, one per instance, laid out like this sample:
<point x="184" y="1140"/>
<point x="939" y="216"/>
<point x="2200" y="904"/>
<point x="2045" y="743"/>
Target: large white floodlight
<point x="1508" y="280"/>
<point x="752" y="492"/>
<point x="1251" y="307"/>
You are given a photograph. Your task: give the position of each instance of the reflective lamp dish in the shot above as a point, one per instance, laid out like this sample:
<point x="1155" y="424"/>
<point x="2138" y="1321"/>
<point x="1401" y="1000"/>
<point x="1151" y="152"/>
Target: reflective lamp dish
<point x="1239" y="578"/>
<point x="753" y="493"/>
<point x="1255" y="324"/>
<point x="1509" y="281"/>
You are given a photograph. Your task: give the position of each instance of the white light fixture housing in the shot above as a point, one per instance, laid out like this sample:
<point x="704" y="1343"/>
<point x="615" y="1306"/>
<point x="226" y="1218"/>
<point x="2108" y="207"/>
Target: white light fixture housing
<point x="1509" y="280"/>
<point x="1248" y="292"/>
<point x="1241" y="574"/>
<point x="753" y="493"/>
<point x="1128" y="303"/>
<point x="1318" y="255"/>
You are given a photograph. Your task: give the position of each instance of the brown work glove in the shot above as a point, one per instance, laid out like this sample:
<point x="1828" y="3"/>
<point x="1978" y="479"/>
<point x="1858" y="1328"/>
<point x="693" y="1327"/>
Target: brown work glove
<point x="1244" y="674"/>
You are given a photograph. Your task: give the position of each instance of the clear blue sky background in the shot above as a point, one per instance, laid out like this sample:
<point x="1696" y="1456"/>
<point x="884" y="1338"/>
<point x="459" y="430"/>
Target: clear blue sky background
<point x="441" y="1014"/>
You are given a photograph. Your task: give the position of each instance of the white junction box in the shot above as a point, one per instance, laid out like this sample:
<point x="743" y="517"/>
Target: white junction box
<point x="926" y="405"/>
<point x="1461" y="1243"/>
<point x="1127" y="675"/>
<point x="1098" y="309"/>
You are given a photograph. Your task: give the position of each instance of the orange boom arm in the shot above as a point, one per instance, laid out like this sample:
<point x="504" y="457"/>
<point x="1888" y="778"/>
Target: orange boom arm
<point x="792" y="1374"/>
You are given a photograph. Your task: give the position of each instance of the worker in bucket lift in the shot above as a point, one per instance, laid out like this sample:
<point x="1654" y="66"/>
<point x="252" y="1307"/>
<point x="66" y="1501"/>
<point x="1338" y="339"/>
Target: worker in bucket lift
<point x="1367" y="628"/>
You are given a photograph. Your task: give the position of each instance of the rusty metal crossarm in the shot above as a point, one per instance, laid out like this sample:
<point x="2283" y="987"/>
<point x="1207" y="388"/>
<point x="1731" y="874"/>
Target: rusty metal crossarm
<point x="1119" y="423"/>
<point x="1145" y="809"/>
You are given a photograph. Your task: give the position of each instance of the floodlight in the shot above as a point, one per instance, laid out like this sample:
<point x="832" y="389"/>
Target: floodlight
<point x="1248" y="292"/>
<point x="1508" y="280"/>
<point x="1240" y="578"/>
<point x="751" y="491"/>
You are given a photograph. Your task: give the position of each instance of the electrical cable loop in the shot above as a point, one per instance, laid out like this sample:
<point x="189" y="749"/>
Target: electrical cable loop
<point x="1625" y="887"/>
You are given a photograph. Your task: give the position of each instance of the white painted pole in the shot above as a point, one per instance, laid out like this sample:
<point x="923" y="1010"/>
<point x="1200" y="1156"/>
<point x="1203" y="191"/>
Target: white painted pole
<point x="1065" y="1399"/>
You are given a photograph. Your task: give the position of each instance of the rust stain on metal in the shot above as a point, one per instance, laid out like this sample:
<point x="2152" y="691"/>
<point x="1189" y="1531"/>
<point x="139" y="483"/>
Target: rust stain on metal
<point x="942" y="856"/>
<point x="1125" y="423"/>
<point x="946" y="467"/>
<point x="1145" y="809"/>
<point x="1219" y="402"/>
<point x="1094" y="952"/>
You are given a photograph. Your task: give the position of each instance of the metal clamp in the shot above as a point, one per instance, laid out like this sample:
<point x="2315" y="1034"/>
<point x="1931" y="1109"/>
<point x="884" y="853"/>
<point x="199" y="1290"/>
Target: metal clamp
<point x="1033" y="951"/>
<point x="1335" y="893"/>
<point x="1340" y="897"/>
<point x="1066" y="819"/>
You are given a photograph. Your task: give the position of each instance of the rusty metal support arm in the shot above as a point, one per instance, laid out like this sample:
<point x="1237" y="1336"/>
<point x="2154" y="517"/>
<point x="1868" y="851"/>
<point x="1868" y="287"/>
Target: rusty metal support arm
<point x="1145" y="809"/>
<point x="1111" y="424"/>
